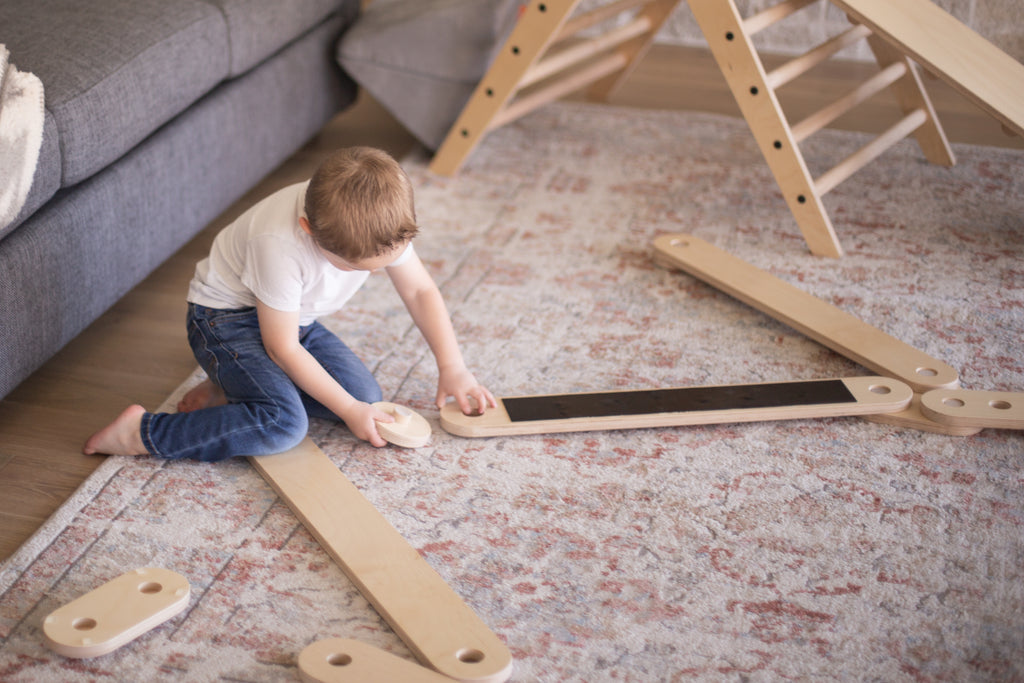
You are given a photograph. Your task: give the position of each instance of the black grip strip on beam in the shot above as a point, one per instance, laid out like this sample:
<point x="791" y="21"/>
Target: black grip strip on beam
<point x="680" y="400"/>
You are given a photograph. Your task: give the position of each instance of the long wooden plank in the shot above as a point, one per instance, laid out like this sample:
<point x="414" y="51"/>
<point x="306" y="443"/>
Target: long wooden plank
<point x="442" y="631"/>
<point x="948" y="48"/>
<point x="805" y="313"/>
<point x="557" y="413"/>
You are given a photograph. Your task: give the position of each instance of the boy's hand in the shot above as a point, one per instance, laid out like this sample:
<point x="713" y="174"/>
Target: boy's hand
<point x="362" y="419"/>
<point x="459" y="383"/>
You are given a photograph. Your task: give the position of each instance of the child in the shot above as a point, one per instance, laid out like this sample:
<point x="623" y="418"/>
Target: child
<point x="298" y="254"/>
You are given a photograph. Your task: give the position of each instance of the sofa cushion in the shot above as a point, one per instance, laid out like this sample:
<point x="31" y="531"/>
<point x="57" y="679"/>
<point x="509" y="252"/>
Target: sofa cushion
<point x="445" y="49"/>
<point x="259" y="28"/>
<point x="114" y="70"/>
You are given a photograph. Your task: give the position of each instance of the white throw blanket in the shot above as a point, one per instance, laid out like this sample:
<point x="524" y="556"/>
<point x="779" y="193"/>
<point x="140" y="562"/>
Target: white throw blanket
<point x="21" y="135"/>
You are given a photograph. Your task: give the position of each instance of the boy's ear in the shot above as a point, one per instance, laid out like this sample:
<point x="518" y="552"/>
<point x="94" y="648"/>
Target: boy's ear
<point x="305" y="225"/>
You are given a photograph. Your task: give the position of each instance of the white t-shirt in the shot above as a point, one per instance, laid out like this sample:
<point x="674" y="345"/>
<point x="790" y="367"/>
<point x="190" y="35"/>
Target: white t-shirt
<point x="265" y="255"/>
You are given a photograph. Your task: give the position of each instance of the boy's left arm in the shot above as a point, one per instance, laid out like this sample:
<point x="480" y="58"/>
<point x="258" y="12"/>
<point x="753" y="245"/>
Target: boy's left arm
<point x="421" y="296"/>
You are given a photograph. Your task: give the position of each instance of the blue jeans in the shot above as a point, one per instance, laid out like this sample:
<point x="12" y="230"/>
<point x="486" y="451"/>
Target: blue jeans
<point x="266" y="412"/>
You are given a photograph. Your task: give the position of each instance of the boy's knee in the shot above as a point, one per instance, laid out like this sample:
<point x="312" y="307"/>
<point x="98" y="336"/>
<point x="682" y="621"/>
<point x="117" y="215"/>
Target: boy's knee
<point x="367" y="391"/>
<point x="285" y="431"/>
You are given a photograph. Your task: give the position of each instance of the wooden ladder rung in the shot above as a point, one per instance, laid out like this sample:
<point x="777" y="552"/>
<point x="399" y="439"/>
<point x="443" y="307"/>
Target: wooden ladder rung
<point x="570" y="83"/>
<point x="594" y="17"/>
<point x="856" y="161"/>
<point x="865" y="91"/>
<point x="582" y="51"/>
<point x="773" y="15"/>
<point x="800" y="65"/>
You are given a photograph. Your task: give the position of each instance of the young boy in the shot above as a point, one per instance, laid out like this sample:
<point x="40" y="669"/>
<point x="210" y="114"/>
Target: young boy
<point x="298" y="254"/>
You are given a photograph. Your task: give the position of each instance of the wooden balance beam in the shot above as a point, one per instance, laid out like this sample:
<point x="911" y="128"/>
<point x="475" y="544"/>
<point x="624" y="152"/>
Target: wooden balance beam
<point x="805" y="313"/>
<point x="647" y="408"/>
<point x="442" y="631"/>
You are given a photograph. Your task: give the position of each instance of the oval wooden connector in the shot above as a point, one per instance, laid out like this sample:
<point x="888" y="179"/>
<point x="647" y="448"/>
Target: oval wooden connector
<point x="341" y="660"/>
<point x="967" y="408"/>
<point x="117" y="612"/>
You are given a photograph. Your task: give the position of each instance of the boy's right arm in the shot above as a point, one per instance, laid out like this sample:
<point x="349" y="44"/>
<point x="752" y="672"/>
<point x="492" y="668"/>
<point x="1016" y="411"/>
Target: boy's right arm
<point x="279" y="330"/>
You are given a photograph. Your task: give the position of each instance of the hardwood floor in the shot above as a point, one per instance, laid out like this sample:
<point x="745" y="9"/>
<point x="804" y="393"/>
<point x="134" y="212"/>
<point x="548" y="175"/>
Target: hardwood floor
<point x="137" y="352"/>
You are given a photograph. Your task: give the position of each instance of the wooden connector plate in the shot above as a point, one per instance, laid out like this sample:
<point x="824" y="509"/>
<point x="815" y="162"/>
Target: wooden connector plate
<point x="116" y="613"/>
<point x="681" y="406"/>
<point x="966" y="408"/>
<point x="913" y="418"/>
<point x="441" y="630"/>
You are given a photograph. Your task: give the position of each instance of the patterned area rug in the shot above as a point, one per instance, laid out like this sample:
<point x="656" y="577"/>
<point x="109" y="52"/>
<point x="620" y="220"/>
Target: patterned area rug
<point x="811" y="549"/>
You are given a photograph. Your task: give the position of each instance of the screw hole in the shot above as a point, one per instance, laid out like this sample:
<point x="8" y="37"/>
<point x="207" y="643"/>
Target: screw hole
<point x="339" y="659"/>
<point x="84" y="624"/>
<point x="729" y="35"/>
<point x="802" y="199"/>
<point x="754" y="90"/>
<point x="777" y="144"/>
<point x="880" y="389"/>
<point x="469" y="656"/>
<point x="515" y="49"/>
<point x="1000" y="405"/>
<point x="927" y="372"/>
<point x="953" y="402"/>
<point x="465" y="132"/>
<point x="542" y="7"/>
<point x="150" y="587"/>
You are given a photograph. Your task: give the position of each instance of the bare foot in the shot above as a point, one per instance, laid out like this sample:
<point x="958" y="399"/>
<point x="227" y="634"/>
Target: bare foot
<point x="120" y="437"/>
<point x="204" y="395"/>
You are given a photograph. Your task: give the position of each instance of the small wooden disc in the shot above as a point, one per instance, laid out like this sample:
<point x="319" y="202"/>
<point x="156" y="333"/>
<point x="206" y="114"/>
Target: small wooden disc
<point x="409" y="430"/>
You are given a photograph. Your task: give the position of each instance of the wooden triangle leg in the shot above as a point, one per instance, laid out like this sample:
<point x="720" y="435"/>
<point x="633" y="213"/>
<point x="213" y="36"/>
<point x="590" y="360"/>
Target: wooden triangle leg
<point x="743" y="71"/>
<point x="545" y="58"/>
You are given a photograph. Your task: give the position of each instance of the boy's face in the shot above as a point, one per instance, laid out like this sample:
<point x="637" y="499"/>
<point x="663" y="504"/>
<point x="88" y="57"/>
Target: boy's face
<point x="371" y="264"/>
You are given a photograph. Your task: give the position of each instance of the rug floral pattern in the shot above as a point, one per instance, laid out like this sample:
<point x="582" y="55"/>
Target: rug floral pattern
<point x="809" y="549"/>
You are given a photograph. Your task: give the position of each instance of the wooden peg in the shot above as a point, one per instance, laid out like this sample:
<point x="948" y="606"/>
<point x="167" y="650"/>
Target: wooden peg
<point x="409" y="430"/>
<point x="681" y="406"/>
<point x="117" y="612"/>
<point x="966" y="408"/>
<point x="341" y="660"/>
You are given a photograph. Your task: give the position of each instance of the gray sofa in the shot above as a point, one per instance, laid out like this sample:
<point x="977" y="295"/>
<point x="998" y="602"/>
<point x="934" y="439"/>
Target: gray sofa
<point x="159" y="115"/>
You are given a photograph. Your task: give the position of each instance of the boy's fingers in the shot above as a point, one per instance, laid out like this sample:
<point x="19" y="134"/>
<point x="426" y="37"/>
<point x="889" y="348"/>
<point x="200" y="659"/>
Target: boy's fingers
<point x="375" y="438"/>
<point x="464" y="404"/>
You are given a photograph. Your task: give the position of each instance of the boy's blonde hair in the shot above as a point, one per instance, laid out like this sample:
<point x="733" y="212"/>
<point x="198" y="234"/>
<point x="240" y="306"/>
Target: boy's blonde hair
<point x="359" y="204"/>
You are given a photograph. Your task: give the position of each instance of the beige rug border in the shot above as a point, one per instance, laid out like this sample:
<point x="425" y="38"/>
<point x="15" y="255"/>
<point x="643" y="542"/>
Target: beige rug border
<point x="25" y="556"/>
